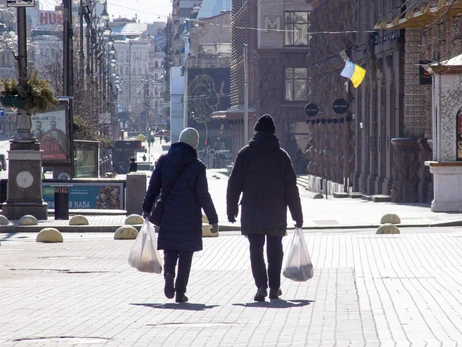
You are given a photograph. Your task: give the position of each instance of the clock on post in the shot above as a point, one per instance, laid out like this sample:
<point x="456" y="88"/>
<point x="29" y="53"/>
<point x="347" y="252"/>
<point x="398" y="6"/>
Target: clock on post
<point x="24" y="179"/>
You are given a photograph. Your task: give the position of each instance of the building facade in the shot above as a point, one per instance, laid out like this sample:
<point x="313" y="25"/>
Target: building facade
<point x="379" y="147"/>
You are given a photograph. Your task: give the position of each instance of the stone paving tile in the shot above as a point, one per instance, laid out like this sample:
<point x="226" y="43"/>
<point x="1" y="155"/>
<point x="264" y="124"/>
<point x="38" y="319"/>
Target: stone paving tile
<point x="367" y="290"/>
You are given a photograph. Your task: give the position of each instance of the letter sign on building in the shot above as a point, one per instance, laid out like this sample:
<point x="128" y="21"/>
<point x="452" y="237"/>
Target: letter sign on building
<point x="20" y="3"/>
<point x="269" y="24"/>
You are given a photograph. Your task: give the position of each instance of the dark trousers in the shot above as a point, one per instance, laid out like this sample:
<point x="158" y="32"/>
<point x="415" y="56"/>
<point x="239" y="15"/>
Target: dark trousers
<point x="184" y="259"/>
<point x="274" y="255"/>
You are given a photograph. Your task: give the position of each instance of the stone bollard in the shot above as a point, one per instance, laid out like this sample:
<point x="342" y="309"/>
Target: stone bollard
<point x="126" y="232"/>
<point x="49" y="235"/>
<point x="390" y="218"/>
<point x="387" y="228"/>
<point x="134" y="219"/>
<point x="28" y="220"/>
<point x="78" y="220"/>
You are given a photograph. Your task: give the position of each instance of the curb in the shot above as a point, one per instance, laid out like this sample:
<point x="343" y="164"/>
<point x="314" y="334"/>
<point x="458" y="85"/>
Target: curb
<point x="224" y="228"/>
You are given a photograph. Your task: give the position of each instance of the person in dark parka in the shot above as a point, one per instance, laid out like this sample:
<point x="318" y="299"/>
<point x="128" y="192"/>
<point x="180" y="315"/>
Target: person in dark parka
<point x="264" y="174"/>
<point x="180" y="229"/>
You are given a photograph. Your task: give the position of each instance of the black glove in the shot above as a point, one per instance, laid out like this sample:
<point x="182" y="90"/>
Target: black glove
<point x="146" y="214"/>
<point x="214" y="228"/>
<point x="299" y="224"/>
<point x="232" y="216"/>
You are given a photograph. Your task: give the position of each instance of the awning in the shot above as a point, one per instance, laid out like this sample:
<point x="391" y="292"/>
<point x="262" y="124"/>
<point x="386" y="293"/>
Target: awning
<point x="423" y="17"/>
<point x="446" y="67"/>
<point x="233" y="113"/>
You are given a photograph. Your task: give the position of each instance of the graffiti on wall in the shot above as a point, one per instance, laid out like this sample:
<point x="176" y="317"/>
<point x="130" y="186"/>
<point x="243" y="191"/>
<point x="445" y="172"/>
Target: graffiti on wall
<point x="208" y="92"/>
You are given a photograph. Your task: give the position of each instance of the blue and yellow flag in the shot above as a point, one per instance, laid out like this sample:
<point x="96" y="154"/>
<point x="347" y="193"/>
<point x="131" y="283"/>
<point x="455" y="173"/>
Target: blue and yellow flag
<point x="354" y="72"/>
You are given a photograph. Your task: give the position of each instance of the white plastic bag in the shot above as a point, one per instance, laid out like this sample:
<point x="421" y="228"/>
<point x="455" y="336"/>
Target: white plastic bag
<point x="144" y="255"/>
<point x="298" y="266"/>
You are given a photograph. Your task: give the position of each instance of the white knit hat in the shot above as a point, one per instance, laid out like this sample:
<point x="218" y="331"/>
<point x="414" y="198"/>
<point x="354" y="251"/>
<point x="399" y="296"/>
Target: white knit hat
<point x="189" y="136"/>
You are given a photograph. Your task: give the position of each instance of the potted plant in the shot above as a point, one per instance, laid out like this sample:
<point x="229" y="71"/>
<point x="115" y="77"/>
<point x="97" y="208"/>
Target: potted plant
<point x="37" y="95"/>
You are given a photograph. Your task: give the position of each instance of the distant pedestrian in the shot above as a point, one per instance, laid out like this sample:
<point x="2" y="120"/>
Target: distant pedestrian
<point x="264" y="174"/>
<point x="133" y="165"/>
<point x="181" y="180"/>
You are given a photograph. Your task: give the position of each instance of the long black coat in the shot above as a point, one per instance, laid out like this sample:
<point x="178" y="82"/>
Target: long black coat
<point x="264" y="174"/>
<point x="181" y="224"/>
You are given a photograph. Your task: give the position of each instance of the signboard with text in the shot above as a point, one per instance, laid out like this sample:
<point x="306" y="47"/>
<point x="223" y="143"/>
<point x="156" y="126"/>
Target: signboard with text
<point x="100" y="196"/>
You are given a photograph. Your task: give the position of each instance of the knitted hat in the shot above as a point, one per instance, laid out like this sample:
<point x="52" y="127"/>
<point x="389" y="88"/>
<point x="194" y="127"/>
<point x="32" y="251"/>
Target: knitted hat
<point x="265" y="124"/>
<point x="189" y="136"/>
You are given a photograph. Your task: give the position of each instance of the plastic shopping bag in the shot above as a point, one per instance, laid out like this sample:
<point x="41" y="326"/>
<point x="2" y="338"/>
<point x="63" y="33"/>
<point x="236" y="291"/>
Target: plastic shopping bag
<point x="298" y="266"/>
<point x="144" y="255"/>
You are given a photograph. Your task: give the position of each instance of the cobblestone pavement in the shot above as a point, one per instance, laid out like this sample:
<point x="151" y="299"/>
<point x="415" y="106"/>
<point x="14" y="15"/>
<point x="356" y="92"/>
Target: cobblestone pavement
<point x="367" y="290"/>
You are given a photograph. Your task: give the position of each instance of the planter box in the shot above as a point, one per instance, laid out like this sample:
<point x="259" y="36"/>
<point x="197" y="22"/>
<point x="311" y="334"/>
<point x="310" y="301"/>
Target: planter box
<point x="6" y="101"/>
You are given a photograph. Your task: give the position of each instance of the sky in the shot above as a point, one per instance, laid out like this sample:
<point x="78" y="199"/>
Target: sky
<point x="148" y="10"/>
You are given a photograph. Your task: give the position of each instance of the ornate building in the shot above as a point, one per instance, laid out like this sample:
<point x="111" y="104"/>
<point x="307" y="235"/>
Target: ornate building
<point x="379" y="147"/>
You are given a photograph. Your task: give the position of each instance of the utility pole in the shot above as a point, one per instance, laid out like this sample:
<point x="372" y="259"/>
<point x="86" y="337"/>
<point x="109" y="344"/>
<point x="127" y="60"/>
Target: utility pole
<point x="246" y="95"/>
<point x="81" y="50"/>
<point x="68" y="80"/>
<point x="67" y="48"/>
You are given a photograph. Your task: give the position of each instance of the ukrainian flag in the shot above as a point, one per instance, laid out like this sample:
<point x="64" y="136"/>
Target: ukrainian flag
<point x="354" y="72"/>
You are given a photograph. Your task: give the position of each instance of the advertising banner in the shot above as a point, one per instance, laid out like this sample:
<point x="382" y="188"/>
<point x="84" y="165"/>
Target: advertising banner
<point x="51" y="130"/>
<point x="101" y="196"/>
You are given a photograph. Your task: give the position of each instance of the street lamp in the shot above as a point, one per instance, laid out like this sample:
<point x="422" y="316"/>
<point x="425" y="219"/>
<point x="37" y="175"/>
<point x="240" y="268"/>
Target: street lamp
<point x="203" y="120"/>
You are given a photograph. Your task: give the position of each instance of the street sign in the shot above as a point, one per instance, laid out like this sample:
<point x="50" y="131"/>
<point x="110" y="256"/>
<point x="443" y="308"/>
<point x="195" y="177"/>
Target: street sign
<point x="340" y="106"/>
<point x="20" y="3"/>
<point x="2" y="112"/>
<point x="311" y="110"/>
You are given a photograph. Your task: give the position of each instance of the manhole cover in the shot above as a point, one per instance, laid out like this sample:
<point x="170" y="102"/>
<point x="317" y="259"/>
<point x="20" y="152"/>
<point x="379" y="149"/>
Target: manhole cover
<point x="64" y="340"/>
<point x="63" y="257"/>
<point x="194" y="325"/>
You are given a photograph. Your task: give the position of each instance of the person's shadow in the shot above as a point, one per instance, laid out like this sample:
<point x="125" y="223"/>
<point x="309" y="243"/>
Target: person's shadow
<point x="177" y="306"/>
<point x="276" y="303"/>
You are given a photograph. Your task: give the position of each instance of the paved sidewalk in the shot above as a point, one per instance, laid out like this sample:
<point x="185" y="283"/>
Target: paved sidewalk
<point x="367" y="290"/>
<point x="330" y="213"/>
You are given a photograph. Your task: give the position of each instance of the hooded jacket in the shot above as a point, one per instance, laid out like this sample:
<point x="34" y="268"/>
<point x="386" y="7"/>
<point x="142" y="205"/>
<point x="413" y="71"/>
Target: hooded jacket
<point x="181" y="224"/>
<point x="264" y="174"/>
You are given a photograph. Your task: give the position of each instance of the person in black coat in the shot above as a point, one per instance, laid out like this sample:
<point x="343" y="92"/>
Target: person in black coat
<point x="180" y="227"/>
<point x="133" y="166"/>
<point x="264" y="174"/>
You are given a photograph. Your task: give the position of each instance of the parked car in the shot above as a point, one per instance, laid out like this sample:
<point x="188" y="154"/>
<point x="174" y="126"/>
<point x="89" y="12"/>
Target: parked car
<point x="3" y="162"/>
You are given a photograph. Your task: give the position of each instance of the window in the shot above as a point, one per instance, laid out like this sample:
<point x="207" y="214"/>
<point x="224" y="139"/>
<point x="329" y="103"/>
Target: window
<point x="296" y="28"/>
<point x="296" y="83"/>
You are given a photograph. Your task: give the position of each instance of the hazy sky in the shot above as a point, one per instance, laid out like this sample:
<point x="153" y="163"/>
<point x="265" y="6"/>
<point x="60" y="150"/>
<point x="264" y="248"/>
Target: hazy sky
<point x="147" y="10"/>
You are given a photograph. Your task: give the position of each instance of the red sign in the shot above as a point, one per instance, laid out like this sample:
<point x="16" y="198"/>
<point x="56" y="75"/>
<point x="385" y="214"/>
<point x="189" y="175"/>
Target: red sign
<point x="51" y="17"/>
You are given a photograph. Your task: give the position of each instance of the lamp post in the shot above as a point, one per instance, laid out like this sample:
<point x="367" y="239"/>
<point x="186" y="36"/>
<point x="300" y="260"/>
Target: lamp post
<point x="203" y="120"/>
<point x="24" y="194"/>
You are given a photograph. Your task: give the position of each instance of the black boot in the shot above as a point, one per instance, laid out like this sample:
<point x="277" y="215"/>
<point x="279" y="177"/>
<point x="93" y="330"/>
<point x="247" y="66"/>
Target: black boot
<point x="169" y="290"/>
<point x="275" y="293"/>
<point x="261" y="294"/>
<point x="181" y="297"/>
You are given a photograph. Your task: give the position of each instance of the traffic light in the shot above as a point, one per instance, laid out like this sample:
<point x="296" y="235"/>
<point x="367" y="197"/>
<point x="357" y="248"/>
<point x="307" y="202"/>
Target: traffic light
<point x="206" y="142"/>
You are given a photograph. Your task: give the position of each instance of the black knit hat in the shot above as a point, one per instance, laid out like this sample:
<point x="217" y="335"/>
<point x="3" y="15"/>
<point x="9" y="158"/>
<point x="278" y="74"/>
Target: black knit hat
<point x="265" y="124"/>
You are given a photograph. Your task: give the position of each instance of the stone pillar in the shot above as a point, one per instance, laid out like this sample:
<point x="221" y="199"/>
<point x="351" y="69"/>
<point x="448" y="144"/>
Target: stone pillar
<point x="411" y="178"/>
<point x="135" y="191"/>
